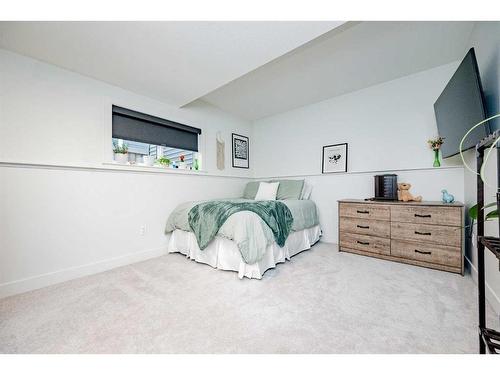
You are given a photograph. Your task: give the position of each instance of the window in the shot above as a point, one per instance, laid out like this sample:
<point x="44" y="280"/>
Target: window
<point x="153" y="136"/>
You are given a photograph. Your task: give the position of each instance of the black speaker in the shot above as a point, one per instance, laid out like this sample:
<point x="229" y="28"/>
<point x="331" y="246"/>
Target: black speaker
<point x="386" y="187"/>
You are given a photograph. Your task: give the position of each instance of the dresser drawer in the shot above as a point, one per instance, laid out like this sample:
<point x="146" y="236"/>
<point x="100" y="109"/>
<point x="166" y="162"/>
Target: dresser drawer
<point x="377" y="228"/>
<point x="362" y="242"/>
<point x="443" y="235"/>
<point x="432" y="253"/>
<point x="365" y="211"/>
<point x="427" y="215"/>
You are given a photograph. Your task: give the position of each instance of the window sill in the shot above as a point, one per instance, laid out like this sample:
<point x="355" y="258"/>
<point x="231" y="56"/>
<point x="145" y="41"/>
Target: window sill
<point x="113" y="167"/>
<point x="152" y="169"/>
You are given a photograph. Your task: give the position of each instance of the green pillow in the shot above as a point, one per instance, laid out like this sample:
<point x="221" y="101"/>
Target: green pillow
<point x="289" y="189"/>
<point x="251" y="190"/>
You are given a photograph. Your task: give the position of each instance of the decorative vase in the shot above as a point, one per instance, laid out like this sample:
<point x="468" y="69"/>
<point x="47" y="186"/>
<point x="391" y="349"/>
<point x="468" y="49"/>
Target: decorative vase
<point x="121" y="158"/>
<point x="437" y="163"/>
<point x="148" y="160"/>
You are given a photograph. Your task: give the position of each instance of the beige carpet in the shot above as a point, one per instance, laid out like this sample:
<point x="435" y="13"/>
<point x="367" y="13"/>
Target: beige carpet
<point x="320" y="302"/>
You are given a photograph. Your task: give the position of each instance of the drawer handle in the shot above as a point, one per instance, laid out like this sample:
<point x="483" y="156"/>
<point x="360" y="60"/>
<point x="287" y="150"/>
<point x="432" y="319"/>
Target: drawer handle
<point x="362" y="212"/>
<point x="363" y="243"/>
<point x="423" y="252"/>
<point x="363" y="226"/>
<point x="423" y="233"/>
<point x="418" y="215"/>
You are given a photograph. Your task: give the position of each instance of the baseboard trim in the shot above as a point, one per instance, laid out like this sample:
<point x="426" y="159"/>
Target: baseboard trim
<point x="51" y="278"/>
<point x="491" y="296"/>
<point x="328" y="241"/>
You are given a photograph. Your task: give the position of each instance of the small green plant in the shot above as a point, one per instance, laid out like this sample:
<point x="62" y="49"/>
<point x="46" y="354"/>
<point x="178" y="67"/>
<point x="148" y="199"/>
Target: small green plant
<point x="163" y="161"/>
<point x="117" y="149"/>
<point x="492" y="215"/>
<point x="489" y="216"/>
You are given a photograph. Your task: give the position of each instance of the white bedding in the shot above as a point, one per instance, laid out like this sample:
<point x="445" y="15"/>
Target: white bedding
<point x="223" y="253"/>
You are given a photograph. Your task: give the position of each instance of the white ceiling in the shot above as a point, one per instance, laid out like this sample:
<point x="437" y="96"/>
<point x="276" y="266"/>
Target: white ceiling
<point x="175" y="62"/>
<point x="350" y="58"/>
<point x="250" y="69"/>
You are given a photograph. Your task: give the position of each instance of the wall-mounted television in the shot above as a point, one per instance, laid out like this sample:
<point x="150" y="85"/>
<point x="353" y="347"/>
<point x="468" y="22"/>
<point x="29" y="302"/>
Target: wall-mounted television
<point x="460" y="106"/>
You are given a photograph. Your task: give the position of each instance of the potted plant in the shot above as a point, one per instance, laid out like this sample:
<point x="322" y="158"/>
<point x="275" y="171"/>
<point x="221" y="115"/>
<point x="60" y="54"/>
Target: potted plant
<point x="121" y="153"/>
<point x="182" y="163"/>
<point x="163" y="161"/>
<point x="435" y="145"/>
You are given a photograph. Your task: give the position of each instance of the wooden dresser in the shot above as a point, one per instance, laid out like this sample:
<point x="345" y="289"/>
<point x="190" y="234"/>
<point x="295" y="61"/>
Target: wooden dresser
<point x="427" y="234"/>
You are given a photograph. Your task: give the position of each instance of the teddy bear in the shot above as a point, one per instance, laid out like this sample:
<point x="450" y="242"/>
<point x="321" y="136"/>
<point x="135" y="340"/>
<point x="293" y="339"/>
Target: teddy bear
<point x="404" y="193"/>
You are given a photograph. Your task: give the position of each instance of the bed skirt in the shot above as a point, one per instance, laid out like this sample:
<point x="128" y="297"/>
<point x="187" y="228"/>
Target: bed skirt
<point x="223" y="253"/>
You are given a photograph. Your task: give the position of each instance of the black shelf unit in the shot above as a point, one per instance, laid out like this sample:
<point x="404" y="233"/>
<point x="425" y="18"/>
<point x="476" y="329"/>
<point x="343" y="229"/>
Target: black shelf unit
<point x="489" y="339"/>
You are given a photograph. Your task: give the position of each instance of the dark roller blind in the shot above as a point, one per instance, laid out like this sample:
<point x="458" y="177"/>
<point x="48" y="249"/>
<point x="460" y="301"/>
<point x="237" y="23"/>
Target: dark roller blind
<point x="140" y="127"/>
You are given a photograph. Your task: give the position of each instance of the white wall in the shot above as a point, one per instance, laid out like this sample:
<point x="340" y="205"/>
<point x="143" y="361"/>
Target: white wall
<point x="58" y="224"/>
<point x="485" y="39"/>
<point x="386" y="126"/>
<point x="73" y="216"/>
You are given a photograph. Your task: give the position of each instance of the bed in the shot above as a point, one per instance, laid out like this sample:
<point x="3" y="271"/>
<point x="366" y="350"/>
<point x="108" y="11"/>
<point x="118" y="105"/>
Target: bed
<point x="244" y="235"/>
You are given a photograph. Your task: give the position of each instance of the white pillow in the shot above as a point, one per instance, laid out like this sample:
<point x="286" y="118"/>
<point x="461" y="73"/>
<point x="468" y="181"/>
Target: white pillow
<point x="267" y="191"/>
<point x="306" y="191"/>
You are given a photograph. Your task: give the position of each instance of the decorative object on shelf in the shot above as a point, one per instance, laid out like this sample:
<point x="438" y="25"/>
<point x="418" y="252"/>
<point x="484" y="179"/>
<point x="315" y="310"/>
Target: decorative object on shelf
<point x="221" y="157"/>
<point x="163" y="161"/>
<point x="198" y="162"/>
<point x="240" y="151"/>
<point x="435" y="145"/>
<point x="148" y="160"/>
<point x="120" y="153"/>
<point x="334" y="158"/>
<point x="405" y="195"/>
<point x="447" y="197"/>
<point x="181" y="164"/>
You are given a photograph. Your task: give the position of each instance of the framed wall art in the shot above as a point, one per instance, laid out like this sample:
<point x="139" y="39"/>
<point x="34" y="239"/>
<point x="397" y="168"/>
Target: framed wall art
<point x="334" y="158"/>
<point x="240" y="151"/>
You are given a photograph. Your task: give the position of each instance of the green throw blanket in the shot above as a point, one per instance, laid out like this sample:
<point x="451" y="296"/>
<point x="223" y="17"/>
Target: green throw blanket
<point x="205" y="219"/>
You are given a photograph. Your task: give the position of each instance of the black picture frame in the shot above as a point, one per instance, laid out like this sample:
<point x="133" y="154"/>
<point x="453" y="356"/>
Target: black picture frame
<point x="239" y="162"/>
<point x="344" y="170"/>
